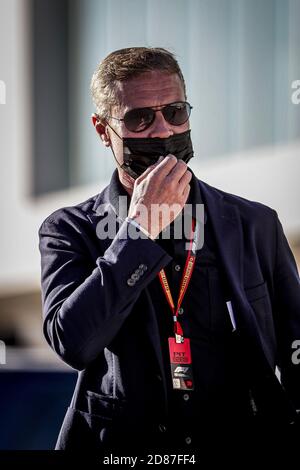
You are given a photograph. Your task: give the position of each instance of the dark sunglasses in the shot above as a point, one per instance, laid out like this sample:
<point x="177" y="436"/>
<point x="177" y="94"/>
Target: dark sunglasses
<point x="139" y="119"/>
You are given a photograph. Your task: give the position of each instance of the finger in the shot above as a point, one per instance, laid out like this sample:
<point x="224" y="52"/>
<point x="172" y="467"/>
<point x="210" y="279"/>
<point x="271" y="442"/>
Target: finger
<point x="186" y="192"/>
<point x="178" y="171"/>
<point x="148" y="170"/>
<point x="166" y="165"/>
<point x="184" y="181"/>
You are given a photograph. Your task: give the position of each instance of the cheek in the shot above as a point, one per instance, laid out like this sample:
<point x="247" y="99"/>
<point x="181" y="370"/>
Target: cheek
<point x="180" y="129"/>
<point x="118" y="146"/>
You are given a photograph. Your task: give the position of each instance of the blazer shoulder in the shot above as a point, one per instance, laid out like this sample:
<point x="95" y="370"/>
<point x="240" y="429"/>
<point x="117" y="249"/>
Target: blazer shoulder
<point x="76" y="214"/>
<point x="245" y="206"/>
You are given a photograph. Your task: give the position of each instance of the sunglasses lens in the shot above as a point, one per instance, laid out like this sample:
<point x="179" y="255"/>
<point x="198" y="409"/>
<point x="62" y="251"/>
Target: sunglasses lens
<point x="137" y="120"/>
<point x="177" y="113"/>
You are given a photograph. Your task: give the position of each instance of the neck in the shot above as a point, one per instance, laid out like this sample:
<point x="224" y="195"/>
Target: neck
<point x="128" y="190"/>
<point x="126" y="181"/>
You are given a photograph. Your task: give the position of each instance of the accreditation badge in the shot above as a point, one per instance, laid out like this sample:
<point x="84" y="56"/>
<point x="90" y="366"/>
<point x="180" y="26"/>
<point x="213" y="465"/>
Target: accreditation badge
<point x="181" y="364"/>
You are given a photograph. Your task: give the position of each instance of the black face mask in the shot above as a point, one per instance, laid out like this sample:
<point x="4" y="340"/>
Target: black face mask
<point x="140" y="153"/>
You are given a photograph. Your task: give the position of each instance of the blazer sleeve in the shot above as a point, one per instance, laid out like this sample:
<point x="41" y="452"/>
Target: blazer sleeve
<point x="287" y="306"/>
<point x="85" y="303"/>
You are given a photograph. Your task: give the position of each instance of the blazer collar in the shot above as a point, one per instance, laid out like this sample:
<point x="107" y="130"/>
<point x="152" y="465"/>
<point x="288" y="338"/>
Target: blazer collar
<point x="109" y="198"/>
<point x="227" y="228"/>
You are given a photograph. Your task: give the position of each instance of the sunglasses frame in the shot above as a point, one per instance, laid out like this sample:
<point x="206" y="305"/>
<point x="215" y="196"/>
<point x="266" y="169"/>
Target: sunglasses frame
<point x="154" y="111"/>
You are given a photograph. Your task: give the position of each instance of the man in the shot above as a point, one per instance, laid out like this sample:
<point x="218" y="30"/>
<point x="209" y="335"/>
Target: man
<point x="175" y="342"/>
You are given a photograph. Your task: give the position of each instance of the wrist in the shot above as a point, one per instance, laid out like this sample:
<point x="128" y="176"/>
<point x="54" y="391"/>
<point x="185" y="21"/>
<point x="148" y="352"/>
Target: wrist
<point x="140" y="227"/>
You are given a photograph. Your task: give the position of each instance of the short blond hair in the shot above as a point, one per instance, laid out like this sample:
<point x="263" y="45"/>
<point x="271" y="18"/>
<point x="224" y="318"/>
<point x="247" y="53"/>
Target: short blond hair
<point x="124" y="64"/>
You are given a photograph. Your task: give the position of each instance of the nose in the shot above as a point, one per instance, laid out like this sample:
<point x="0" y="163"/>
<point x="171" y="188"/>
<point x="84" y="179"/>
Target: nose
<point x="160" y="127"/>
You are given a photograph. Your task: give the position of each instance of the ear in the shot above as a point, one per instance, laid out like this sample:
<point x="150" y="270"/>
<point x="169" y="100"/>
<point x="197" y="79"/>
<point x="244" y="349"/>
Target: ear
<point x="101" y="129"/>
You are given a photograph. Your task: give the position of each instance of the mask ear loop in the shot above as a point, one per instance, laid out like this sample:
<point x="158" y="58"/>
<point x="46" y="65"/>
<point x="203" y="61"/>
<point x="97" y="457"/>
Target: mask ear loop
<point x="112" y="146"/>
<point x="123" y="166"/>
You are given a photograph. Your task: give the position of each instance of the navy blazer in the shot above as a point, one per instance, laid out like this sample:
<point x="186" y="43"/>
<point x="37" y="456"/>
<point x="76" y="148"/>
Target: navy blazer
<point x="105" y="327"/>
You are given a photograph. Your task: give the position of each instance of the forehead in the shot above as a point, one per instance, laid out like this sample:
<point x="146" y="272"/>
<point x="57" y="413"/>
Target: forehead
<point x="150" y="89"/>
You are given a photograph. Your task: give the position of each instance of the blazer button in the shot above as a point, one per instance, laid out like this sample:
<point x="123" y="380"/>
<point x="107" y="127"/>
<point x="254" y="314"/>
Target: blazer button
<point x="135" y="276"/>
<point x="162" y="427"/>
<point x="177" y="267"/>
<point x="180" y="311"/>
<point x="143" y="268"/>
<point x="130" y="282"/>
<point x="188" y="440"/>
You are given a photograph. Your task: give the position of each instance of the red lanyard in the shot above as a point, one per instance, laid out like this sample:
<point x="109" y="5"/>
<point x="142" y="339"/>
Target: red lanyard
<point x="186" y="277"/>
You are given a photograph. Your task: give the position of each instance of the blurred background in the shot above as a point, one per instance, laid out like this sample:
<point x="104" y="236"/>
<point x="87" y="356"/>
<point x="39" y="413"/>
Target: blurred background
<point x="239" y="58"/>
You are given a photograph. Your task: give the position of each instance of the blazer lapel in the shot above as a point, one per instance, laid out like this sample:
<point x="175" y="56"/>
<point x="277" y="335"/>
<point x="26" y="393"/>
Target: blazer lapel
<point x="227" y="227"/>
<point x="226" y="224"/>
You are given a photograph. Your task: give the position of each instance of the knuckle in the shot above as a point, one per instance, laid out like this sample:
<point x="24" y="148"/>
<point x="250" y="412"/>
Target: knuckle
<point x="170" y="181"/>
<point x="156" y="171"/>
<point x="185" y="191"/>
<point x="171" y="159"/>
<point x="181" y="168"/>
<point x="188" y="175"/>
